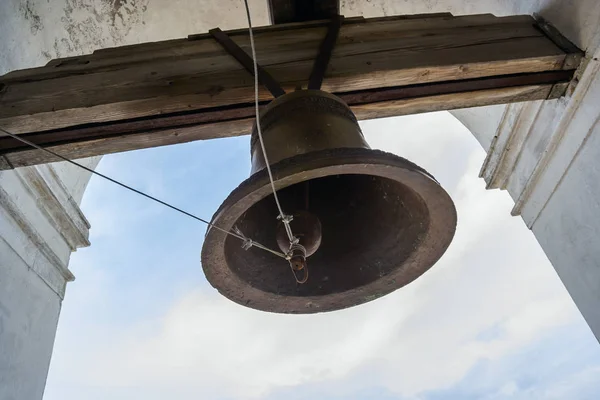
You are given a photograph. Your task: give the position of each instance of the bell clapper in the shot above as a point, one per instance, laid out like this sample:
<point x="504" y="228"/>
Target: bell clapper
<point x="306" y="240"/>
<point x="297" y="260"/>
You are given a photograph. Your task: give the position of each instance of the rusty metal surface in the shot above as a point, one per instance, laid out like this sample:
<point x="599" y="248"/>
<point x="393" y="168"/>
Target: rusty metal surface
<point x="304" y="121"/>
<point x="383" y="220"/>
<point x="385" y="223"/>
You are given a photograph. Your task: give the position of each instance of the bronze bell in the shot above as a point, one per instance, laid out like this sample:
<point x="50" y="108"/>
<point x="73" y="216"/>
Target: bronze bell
<point x="371" y="222"/>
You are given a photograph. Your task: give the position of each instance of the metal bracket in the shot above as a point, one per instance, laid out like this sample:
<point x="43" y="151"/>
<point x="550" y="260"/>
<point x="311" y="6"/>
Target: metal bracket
<point x="246" y="61"/>
<point x="325" y="51"/>
<point x="318" y="70"/>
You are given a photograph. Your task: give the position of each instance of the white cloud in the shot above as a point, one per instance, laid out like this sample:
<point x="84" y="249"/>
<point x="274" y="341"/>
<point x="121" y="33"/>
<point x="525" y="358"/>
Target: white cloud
<point x="491" y="295"/>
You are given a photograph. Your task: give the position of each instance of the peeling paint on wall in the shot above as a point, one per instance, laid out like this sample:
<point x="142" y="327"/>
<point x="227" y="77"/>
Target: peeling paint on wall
<point x="97" y="24"/>
<point x="34" y="31"/>
<point x="27" y="9"/>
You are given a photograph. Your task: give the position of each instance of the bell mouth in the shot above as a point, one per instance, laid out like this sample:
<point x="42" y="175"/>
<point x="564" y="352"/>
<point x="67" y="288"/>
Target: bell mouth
<point x="385" y="221"/>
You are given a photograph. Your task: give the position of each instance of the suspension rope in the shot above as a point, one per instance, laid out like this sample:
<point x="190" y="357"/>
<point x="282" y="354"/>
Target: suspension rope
<point x="286" y="219"/>
<point x="238" y="234"/>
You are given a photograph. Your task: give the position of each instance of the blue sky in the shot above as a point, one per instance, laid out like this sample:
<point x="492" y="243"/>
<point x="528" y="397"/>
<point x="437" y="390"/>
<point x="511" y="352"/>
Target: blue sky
<point x="490" y="321"/>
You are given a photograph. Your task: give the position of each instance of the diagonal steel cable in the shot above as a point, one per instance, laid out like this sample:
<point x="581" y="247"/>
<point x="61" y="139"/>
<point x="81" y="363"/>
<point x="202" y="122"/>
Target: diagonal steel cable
<point x="247" y="241"/>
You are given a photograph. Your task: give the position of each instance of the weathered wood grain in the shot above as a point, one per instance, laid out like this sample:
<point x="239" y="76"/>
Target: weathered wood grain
<point x="369" y="54"/>
<point x="132" y="97"/>
<point x="354" y="31"/>
<point x="273" y="49"/>
<point x="40" y="111"/>
<point x="91" y="131"/>
<point x="243" y="126"/>
<point x="451" y="101"/>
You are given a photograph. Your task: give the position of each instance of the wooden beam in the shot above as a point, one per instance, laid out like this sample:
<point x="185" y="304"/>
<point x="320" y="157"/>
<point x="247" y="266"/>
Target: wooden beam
<point x="176" y="91"/>
<point x="242" y="126"/>
<point x="159" y="123"/>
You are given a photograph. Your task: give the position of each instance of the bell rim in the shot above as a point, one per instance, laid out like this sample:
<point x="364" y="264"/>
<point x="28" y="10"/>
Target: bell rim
<point x="443" y="219"/>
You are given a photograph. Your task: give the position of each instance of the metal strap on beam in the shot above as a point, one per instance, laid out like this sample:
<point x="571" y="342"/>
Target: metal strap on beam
<point x="246" y="61"/>
<point x="322" y="60"/>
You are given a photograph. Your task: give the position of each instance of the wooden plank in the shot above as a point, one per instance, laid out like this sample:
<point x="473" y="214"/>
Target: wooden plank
<point x="172" y="121"/>
<point x="132" y="142"/>
<point x="272" y="48"/>
<point x="361" y="34"/>
<point x="286" y="11"/>
<point x="139" y="92"/>
<point x="243" y="126"/>
<point x="455" y="87"/>
<point x="121" y="128"/>
<point x="451" y="101"/>
<point x="532" y="53"/>
<point x="39" y="113"/>
<point x="181" y="90"/>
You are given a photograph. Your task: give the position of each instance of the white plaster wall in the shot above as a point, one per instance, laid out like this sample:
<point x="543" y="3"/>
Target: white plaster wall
<point x="40" y="225"/>
<point x="29" y="311"/>
<point x="482" y="121"/>
<point x="561" y="202"/>
<point x="569" y="229"/>
<point x="76" y="179"/>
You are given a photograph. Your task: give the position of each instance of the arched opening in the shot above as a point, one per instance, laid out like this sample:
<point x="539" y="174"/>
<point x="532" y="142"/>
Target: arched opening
<point x="140" y="303"/>
<point x="487" y="299"/>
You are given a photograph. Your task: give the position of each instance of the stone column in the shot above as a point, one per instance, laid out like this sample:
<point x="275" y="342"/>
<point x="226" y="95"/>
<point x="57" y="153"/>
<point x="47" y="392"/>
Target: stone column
<point x="40" y="225"/>
<point x="547" y="155"/>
